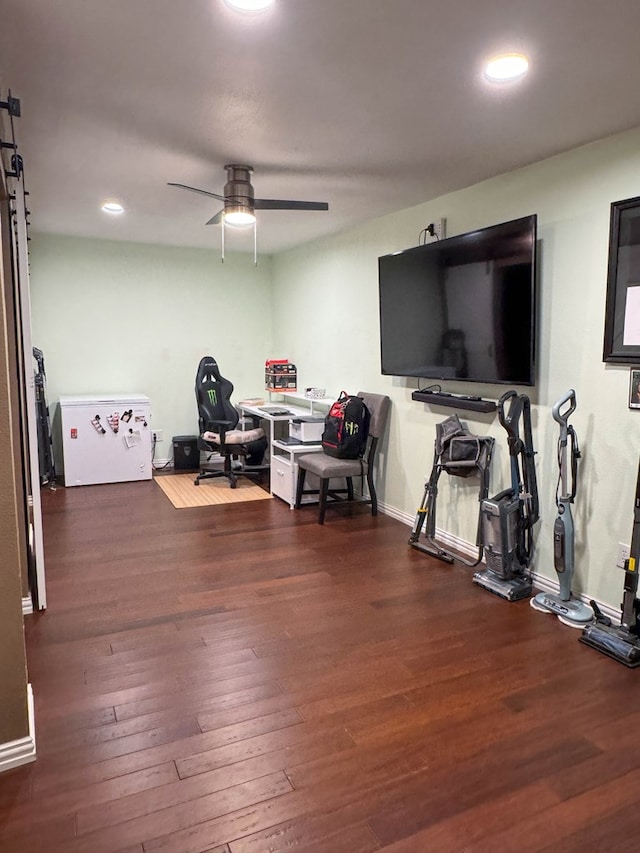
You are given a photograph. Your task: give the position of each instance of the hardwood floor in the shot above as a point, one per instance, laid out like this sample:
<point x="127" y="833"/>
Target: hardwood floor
<point x="239" y="679"/>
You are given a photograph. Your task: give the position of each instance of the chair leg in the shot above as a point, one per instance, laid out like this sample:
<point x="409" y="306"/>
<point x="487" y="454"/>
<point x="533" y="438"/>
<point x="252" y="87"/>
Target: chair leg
<point x="372" y="493"/>
<point x="299" y="486"/>
<point x="349" y="488"/>
<point x="324" y="488"/>
<point x="228" y="471"/>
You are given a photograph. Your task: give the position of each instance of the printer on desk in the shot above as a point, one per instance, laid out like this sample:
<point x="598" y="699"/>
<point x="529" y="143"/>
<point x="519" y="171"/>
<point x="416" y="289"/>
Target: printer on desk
<point x="308" y="430"/>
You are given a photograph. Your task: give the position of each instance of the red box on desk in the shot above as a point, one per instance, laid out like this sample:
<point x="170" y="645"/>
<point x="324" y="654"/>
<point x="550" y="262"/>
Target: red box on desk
<point x="280" y="375"/>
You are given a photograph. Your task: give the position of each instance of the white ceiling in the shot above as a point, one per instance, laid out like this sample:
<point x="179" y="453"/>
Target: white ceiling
<point x="370" y="105"/>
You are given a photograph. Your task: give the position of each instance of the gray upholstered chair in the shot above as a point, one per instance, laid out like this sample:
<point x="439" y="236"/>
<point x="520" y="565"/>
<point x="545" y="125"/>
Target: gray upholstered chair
<point x="328" y="468"/>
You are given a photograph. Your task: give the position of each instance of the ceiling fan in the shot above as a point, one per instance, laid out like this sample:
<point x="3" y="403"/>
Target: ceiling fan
<point x="240" y="203"/>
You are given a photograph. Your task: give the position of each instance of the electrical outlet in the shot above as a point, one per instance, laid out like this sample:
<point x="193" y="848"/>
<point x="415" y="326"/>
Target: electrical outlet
<point x="156" y="435"/>
<point x="623" y="554"/>
<point x="439" y="228"/>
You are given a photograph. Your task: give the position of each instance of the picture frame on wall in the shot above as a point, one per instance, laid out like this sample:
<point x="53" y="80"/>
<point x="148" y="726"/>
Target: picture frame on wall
<point x="634" y="389"/>
<point x="622" y="311"/>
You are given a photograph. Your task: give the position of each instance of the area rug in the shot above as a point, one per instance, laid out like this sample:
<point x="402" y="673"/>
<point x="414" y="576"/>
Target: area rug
<point x="182" y="492"/>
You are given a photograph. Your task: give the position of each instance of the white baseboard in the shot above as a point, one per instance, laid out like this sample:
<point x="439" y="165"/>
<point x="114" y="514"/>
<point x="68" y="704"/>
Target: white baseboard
<point x="21" y="751"/>
<point x="27" y="605"/>
<point x="543" y="583"/>
<point x="162" y="463"/>
<point x="404" y="517"/>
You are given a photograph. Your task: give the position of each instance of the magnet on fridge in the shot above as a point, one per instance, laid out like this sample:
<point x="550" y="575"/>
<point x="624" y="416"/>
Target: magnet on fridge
<point x="98" y="426"/>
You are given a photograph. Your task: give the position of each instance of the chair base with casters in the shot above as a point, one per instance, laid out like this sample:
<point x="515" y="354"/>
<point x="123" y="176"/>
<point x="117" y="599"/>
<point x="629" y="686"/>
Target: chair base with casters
<point x="218" y="419"/>
<point x="327" y="468"/>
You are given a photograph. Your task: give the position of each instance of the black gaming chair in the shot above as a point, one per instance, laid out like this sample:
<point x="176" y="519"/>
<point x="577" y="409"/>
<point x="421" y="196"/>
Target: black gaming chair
<point x="217" y="419"/>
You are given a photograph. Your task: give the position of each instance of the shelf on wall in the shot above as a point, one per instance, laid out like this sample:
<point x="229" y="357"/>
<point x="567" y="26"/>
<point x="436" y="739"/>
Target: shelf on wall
<point x="454" y="401"/>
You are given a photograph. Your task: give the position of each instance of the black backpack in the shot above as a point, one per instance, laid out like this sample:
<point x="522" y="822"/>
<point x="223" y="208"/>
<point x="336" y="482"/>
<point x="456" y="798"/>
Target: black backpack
<point x="346" y="428"/>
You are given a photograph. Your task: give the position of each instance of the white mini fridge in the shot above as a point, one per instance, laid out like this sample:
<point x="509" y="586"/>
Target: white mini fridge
<point x="106" y="439"/>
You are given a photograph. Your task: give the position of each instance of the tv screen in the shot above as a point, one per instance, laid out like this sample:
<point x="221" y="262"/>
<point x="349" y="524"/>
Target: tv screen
<point x="462" y="308"/>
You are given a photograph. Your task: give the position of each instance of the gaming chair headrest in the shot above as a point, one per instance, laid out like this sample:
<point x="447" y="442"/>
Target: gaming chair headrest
<point x="208" y="371"/>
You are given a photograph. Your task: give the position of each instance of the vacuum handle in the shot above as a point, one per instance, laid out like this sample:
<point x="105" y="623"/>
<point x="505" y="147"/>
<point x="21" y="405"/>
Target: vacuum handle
<point x="507" y="420"/>
<point x="563" y="417"/>
<point x="501" y="404"/>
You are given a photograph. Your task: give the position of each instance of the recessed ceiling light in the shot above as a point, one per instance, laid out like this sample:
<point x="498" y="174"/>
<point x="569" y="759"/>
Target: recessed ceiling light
<point x="249" y="5"/>
<point x="508" y="66"/>
<point x="112" y="207"/>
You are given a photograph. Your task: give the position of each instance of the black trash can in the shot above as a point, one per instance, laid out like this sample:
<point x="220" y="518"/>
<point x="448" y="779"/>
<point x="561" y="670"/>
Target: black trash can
<point x="186" y="456"/>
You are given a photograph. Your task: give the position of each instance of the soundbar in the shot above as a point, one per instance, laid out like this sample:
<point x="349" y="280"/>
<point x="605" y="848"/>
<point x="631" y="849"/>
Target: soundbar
<point x="454" y="401"/>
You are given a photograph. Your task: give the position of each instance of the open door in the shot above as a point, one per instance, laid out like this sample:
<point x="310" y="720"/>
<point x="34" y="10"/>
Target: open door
<point x="15" y="260"/>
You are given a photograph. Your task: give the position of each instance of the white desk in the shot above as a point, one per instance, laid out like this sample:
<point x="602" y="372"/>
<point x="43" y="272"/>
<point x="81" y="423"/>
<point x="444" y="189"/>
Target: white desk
<point x="271" y="419"/>
<point x="284" y="469"/>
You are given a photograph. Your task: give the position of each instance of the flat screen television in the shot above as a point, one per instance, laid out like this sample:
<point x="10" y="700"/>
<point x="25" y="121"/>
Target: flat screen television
<point x="462" y="308"/>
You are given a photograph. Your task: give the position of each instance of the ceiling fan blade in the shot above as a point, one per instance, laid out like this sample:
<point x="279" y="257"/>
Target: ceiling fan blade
<point x="196" y="190"/>
<point x="217" y="219"/>
<point x="280" y="204"/>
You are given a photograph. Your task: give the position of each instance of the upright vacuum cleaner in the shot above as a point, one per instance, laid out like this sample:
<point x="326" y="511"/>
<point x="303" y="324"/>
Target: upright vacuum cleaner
<point x="621" y="642"/>
<point x="568" y="610"/>
<point x="509" y="517"/>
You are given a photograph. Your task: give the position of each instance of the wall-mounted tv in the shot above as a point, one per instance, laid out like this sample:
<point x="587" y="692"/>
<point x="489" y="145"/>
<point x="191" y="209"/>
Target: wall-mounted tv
<point x="462" y="308"/>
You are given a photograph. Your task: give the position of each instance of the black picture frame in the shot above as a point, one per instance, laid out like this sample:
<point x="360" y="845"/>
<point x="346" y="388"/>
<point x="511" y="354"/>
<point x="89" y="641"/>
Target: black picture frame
<point x="622" y="311"/>
<point x="634" y="389"/>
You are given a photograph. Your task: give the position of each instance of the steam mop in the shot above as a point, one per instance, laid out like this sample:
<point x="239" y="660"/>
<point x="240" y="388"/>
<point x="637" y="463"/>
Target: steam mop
<point x="621" y="642"/>
<point x="509" y="517"/>
<point x="569" y="610"/>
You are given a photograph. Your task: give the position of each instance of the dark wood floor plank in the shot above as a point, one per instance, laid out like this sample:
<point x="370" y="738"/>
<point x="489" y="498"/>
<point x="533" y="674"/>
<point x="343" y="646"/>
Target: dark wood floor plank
<point x="462" y="830"/>
<point x="178" y="819"/>
<point x="98" y="795"/>
<point x="204" y="697"/>
<point x="100" y="765"/>
<point x="55" y="833"/>
<point x="566" y="819"/>
<point x="311" y="836"/>
<point x="199" y="761"/>
<point x="240" y="679"/>
<point x="615" y="831"/>
<point x="127" y="807"/>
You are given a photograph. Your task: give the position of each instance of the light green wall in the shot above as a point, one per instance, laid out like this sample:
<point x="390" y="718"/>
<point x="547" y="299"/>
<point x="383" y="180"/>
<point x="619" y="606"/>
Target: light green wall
<point x="327" y="302"/>
<point x="124" y="317"/>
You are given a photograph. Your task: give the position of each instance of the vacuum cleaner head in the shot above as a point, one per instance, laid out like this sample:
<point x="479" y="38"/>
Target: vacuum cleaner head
<point x="616" y="642"/>
<point x="512" y="590"/>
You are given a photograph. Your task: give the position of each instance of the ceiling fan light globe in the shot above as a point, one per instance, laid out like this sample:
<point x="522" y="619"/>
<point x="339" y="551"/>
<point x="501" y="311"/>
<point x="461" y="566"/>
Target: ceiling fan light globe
<point x="239" y="218"/>
<point x="249" y="5"/>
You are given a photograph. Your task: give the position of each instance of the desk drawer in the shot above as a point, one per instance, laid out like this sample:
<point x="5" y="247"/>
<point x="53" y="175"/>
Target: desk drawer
<point x="282" y="479"/>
